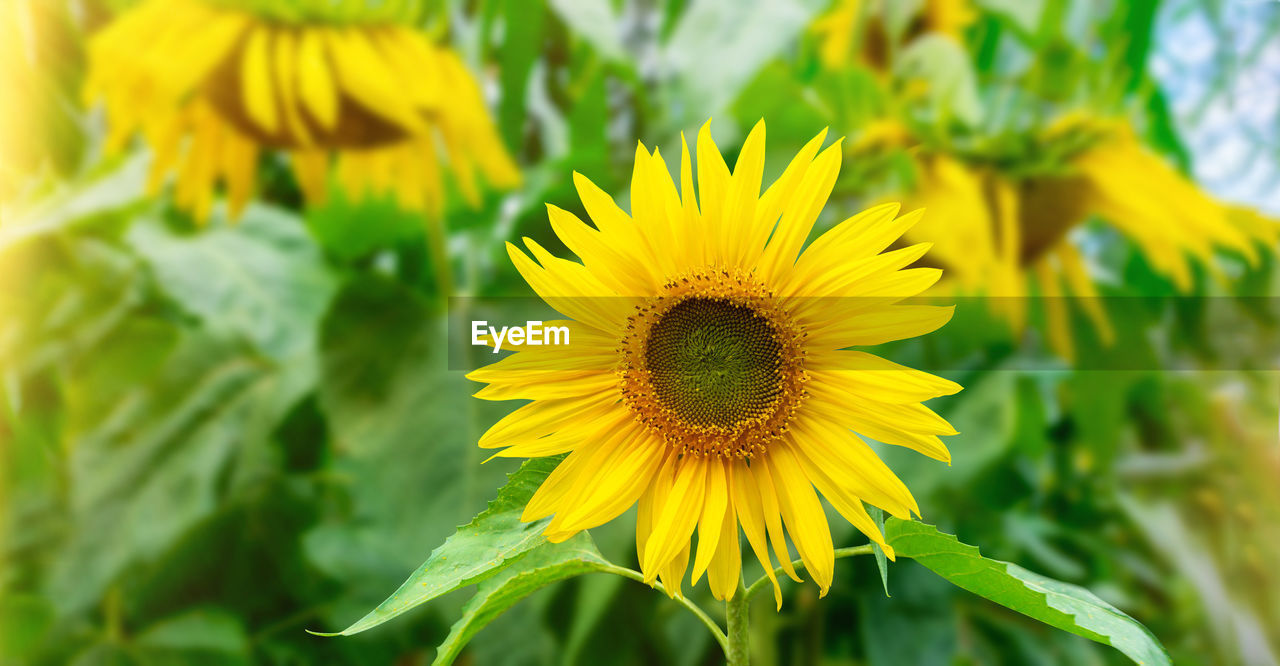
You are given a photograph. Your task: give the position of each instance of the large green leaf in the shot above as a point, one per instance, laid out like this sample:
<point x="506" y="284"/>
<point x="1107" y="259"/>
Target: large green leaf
<point x="263" y="278"/>
<point x="405" y="469"/>
<point x="151" y="459"/>
<point x="1061" y="605"/>
<point x="548" y="563"/>
<point x="163" y="415"/>
<point x="477" y="551"/>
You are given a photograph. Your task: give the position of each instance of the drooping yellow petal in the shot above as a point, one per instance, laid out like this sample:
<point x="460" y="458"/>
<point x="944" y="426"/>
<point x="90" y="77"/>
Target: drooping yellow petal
<point x="681" y="509"/>
<point x="623" y="468"/>
<point x="806" y="522"/>
<point x="286" y="68"/>
<point x="711" y="522"/>
<point x="256" y="79"/>
<point x="725" y="571"/>
<point x="366" y="78"/>
<point x="316" y="85"/>
<point x="852" y="464"/>
<point x="772" y="515"/>
<point x="746" y="502"/>
<point x="843" y="499"/>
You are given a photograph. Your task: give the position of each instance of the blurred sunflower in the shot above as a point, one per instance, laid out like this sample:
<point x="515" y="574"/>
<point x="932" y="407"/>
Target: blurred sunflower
<point x="707" y="375"/>
<point x="1001" y="234"/>
<point x="860" y="31"/>
<point x="210" y="85"/>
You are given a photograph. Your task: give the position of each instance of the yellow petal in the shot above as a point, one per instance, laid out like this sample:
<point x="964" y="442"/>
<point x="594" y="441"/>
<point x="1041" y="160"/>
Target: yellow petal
<point x="726" y="565"/>
<point x="804" y="516"/>
<point x="316" y="85"/>
<point x="674" y="526"/>
<point x="711" y="523"/>
<point x="746" y="502"/>
<point x="256" y="78"/>
<point x="367" y="79"/>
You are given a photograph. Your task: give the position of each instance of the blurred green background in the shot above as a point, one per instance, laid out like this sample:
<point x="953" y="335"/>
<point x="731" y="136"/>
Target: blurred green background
<point x="213" y="437"/>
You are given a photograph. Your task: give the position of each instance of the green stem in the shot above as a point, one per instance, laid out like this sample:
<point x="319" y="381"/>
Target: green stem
<point x="438" y="246"/>
<point x="799" y="564"/>
<point x="693" y="608"/>
<point x="737" y="613"/>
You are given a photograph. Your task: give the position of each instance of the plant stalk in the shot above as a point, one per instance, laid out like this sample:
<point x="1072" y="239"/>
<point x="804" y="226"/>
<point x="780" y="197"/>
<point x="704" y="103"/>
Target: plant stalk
<point x="738" y="612"/>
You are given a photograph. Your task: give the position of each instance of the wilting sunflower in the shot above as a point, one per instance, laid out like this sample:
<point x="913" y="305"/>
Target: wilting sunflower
<point x="212" y="84"/>
<point x="856" y="30"/>
<point x="1001" y="234"/>
<point x="708" y="376"/>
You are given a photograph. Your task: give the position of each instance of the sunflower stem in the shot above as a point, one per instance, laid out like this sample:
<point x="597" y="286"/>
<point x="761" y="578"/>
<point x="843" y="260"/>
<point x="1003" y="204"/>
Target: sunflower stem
<point x="738" y="622"/>
<point x="438" y="246"/>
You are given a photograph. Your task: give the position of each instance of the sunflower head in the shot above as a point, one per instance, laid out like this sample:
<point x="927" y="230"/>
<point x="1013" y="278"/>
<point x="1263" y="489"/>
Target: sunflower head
<point x="861" y="31"/>
<point x="1006" y="231"/>
<point x="224" y="81"/>
<point x="709" y="378"/>
<point x="713" y="365"/>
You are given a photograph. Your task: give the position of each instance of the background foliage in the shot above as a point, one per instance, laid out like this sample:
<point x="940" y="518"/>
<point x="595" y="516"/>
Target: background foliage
<point x="215" y="438"/>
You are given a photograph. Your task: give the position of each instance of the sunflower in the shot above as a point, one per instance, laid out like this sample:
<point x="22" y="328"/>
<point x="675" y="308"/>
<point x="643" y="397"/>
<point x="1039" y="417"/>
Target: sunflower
<point x="708" y="376"/>
<point x="218" y="83"/>
<point x="1003" y="235"/>
<point x="864" y="24"/>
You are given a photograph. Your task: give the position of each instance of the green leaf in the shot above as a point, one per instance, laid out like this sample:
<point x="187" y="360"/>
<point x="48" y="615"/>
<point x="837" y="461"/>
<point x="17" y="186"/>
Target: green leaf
<point x="548" y="563"/>
<point x="518" y="55"/>
<point x="1025" y="14"/>
<point x="147" y="466"/>
<point x="882" y="561"/>
<point x="25" y="621"/>
<point x="477" y="551"/>
<point x="382" y="223"/>
<point x="1061" y="605"/>
<point x="263" y="277"/>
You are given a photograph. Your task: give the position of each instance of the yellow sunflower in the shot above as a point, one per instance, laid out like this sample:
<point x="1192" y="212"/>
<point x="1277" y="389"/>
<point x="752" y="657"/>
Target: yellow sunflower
<point x="210" y="85"/>
<point x="1002" y="235"/>
<point x="708" y="374"/>
<point x="861" y="24"/>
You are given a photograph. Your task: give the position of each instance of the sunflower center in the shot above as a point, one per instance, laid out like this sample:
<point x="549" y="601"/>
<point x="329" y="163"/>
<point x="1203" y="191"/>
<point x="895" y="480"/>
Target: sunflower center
<point x="714" y="363"/>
